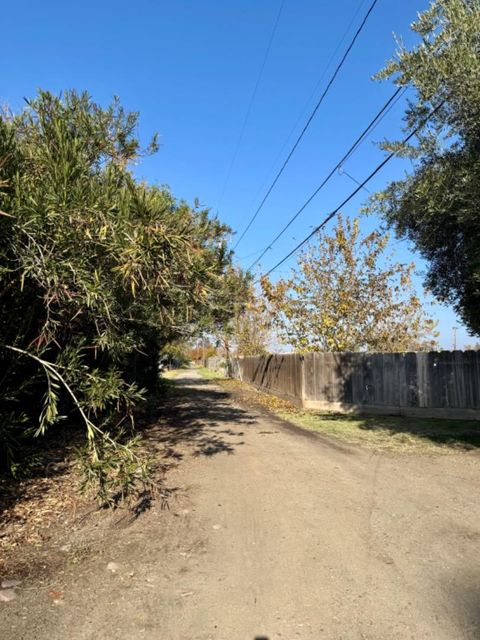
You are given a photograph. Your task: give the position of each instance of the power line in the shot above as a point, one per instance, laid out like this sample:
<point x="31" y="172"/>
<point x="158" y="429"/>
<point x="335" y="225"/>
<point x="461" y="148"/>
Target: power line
<point x="252" y="100"/>
<point x="399" y="93"/>
<point x="342" y="172"/>
<point x="370" y="127"/>
<point x="305" y="106"/>
<point x="354" y="193"/>
<point x="250" y="255"/>
<point x="307" y="124"/>
<point x="367" y="131"/>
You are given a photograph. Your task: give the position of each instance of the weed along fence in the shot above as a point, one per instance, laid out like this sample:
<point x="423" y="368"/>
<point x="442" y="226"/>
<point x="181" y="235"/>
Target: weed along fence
<point x="443" y="384"/>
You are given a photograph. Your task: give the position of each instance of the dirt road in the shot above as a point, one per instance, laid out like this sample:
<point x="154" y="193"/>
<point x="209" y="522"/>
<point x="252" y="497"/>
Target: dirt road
<point x="276" y="533"/>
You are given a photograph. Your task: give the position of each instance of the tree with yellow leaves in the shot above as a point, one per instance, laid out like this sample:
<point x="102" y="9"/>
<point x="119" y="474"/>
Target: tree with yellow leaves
<point x="347" y="294"/>
<point x="251" y="326"/>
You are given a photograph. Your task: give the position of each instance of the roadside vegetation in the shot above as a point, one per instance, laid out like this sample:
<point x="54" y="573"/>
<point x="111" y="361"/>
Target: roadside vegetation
<point x="383" y="433"/>
<point x="209" y="374"/>
<point x="436" y="204"/>
<point x="396" y="433"/>
<point x="347" y="293"/>
<point x="98" y="273"/>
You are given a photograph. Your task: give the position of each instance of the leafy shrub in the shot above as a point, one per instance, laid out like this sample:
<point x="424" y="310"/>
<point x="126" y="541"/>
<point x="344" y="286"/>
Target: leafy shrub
<point x="97" y="272"/>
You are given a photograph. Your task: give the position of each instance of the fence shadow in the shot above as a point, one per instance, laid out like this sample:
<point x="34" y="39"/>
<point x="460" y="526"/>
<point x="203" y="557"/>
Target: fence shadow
<point x="436" y="384"/>
<point x="392" y="379"/>
<point x="460" y="434"/>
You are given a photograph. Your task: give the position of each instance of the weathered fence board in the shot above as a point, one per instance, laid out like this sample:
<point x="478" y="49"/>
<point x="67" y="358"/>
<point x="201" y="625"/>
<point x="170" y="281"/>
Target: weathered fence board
<point x="438" y="383"/>
<point x="280" y="374"/>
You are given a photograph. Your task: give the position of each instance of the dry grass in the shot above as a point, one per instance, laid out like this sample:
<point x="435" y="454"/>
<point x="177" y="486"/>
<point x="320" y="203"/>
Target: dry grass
<point x="396" y="433"/>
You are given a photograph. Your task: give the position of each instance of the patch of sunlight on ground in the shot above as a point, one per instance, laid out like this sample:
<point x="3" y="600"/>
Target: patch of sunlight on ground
<point x="171" y="374"/>
<point x="209" y="374"/>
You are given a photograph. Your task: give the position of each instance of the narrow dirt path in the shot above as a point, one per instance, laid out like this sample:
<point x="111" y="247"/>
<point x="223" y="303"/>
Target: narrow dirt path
<point x="276" y="533"/>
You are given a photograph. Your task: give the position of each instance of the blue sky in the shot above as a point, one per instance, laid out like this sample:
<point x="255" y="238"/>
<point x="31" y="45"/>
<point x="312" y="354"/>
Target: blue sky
<point x="189" y="67"/>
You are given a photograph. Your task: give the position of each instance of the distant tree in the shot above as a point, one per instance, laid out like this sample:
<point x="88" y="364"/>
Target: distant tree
<point x="252" y="327"/>
<point x="248" y="332"/>
<point x="346" y="296"/>
<point x="175" y="352"/>
<point x="198" y="353"/>
<point x="472" y="347"/>
<point x="437" y="206"/>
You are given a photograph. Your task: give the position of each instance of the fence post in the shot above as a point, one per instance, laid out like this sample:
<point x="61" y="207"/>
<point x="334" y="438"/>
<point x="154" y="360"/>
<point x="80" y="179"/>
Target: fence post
<point x="302" y="380"/>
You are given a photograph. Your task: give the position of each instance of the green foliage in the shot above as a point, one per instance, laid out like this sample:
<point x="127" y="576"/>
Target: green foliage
<point x="113" y="467"/>
<point x="209" y="374"/>
<point x="97" y="272"/>
<point x="176" y="352"/>
<point x="348" y="295"/>
<point x="437" y="205"/>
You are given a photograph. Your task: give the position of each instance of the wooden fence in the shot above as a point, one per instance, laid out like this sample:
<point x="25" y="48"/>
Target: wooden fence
<point x="278" y="374"/>
<point x="443" y="384"/>
<point x="215" y="363"/>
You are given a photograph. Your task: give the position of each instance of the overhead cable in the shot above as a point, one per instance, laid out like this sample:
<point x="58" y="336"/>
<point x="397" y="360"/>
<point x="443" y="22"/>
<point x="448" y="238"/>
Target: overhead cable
<point x="354" y="193"/>
<point x="250" y="104"/>
<point x="368" y="129"/>
<point x="309" y="120"/>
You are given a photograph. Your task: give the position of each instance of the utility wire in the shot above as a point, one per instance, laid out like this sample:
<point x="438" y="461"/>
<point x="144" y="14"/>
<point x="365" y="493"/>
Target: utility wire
<point x="250" y="105"/>
<point x="307" y="124"/>
<point x="342" y="172"/>
<point x="250" y="255"/>
<point x="354" y="193"/>
<point x="313" y="93"/>
<point x="388" y="106"/>
<point x="397" y="95"/>
<point x="370" y="127"/>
